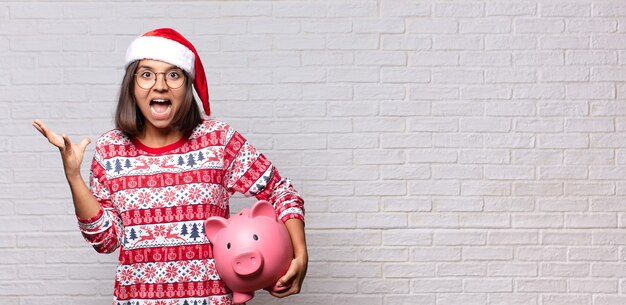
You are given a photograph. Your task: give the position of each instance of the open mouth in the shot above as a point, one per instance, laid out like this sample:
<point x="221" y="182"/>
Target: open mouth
<point x="160" y="107"/>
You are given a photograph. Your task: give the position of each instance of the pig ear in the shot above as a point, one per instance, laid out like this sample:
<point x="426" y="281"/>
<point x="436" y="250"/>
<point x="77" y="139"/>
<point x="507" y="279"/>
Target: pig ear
<point x="213" y="225"/>
<point x="262" y="208"/>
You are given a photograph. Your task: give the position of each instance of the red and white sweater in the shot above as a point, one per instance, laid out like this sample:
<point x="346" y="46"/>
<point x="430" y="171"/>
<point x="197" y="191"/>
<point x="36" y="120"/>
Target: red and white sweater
<point x="154" y="202"/>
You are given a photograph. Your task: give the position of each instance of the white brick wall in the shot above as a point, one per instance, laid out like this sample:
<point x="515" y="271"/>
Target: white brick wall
<point x="450" y="152"/>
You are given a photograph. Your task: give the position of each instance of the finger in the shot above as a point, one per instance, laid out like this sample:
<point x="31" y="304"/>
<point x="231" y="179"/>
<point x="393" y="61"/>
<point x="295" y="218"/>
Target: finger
<point x="84" y="143"/>
<point x="39" y="126"/>
<point x="66" y="141"/>
<point x="52" y="137"/>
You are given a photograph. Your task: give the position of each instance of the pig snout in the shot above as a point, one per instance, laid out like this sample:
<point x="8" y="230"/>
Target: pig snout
<point x="248" y="263"/>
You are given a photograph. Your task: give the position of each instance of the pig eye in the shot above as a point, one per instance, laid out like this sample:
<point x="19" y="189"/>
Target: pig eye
<point x="255" y="237"/>
<point x="228" y="246"/>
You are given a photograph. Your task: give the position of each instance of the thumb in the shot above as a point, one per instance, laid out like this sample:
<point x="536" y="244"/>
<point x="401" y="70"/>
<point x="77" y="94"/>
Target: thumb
<point x="84" y="143"/>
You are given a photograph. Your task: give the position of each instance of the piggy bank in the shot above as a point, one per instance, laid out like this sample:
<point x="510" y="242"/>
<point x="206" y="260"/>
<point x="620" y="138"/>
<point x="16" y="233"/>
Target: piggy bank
<point x="252" y="249"/>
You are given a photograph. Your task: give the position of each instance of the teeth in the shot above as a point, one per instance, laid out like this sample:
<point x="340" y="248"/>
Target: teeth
<point x="159" y="101"/>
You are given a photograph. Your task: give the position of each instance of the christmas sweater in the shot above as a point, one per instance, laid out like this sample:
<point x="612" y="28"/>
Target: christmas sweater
<point x="154" y="202"/>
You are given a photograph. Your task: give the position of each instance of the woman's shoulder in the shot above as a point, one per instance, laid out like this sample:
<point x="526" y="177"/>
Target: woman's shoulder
<point x="209" y="126"/>
<point x="113" y="137"/>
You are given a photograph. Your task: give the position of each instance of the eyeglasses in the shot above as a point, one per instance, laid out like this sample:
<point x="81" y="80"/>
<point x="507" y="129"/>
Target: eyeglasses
<point x="173" y="78"/>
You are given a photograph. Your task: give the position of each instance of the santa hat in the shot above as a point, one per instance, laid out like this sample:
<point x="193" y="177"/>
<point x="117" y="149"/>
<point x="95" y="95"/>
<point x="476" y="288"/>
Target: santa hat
<point x="170" y="46"/>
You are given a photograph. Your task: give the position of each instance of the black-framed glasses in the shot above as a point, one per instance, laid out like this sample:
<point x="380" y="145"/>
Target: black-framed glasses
<point x="173" y="78"/>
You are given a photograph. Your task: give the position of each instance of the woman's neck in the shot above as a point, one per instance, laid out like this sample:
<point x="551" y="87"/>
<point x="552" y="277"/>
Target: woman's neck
<point x="156" y="137"/>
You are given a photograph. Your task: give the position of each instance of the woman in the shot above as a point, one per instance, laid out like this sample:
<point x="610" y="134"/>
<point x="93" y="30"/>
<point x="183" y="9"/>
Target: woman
<point x="164" y="169"/>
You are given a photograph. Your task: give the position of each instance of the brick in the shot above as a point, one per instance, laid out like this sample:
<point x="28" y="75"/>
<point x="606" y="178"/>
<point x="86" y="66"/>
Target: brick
<point x="507" y="42"/>
<point x="454" y="238"/>
<point x="593" y="57"/>
<point x="538" y="25"/>
<point x="538" y="58"/>
<point x="496" y="204"/>
<point x="609" y="9"/>
<point x="565" y="74"/>
<point x="291" y="109"/>
<point x="457" y="42"/>
<point x="36" y="11"/>
<point x="454" y="204"/>
<point x="327" y="92"/>
<point x="597" y="254"/>
<point x="378" y="125"/>
<point x="353" y="75"/>
<point x="461" y="269"/>
<point x="432" y="26"/>
<point x="379" y="157"/>
<point x="405" y="9"/>
<point x="513" y="298"/>
<point x="457" y="76"/>
<point x="308" y="10"/>
<point x="353" y="108"/>
<point x="402" y="108"/>
<point x="565" y="10"/>
<point x="327" y="58"/>
<point x="236" y="9"/>
<point x="566" y="299"/>
<point x="353" y="141"/>
<point x="433" y="220"/>
<point x="487" y="253"/>
<point x="505" y="269"/>
<point x="510" y="9"/>
<point x="434" y="58"/>
<point x="403" y="237"/>
<point x="444" y="188"/>
<point x="353" y="237"/>
<point x="408" y="270"/>
<point x="380" y="92"/>
<point x="326" y="26"/>
<point x="591" y="26"/>
<point x="540" y="285"/>
<point x="404" y="172"/>
<point x="404" y="42"/>
<point x="568" y="269"/>
<point x="595" y="220"/>
<point x="383" y="254"/>
<point x="379" y="26"/>
<point x="485" y="26"/>
<point x="537" y="221"/>
<point x="458" y="140"/>
<point x="387" y="188"/>
<point x="488" y="285"/>
<point x="402" y="204"/>
<point x="512" y="237"/>
<point x="437" y="285"/>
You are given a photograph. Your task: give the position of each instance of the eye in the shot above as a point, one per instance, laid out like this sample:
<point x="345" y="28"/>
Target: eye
<point x="255" y="237"/>
<point x="146" y="74"/>
<point x="228" y="246"/>
<point x="174" y="75"/>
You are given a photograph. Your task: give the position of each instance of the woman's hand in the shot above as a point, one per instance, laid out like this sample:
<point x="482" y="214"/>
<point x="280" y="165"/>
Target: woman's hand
<point x="294" y="276"/>
<point x="72" y="154"/>
<point x="292" y="279"/>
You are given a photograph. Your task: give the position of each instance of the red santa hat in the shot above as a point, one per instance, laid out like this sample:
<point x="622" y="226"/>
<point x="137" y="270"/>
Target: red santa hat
<point x="169" y="46"/>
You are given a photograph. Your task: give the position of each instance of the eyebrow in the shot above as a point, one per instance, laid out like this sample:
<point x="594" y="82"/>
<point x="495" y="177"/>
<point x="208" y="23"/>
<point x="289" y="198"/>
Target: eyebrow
<point x="171" y="67"/>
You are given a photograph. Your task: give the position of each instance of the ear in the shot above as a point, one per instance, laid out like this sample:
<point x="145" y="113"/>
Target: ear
<point x="213" y="225"/>
<point x="262" y="208"/>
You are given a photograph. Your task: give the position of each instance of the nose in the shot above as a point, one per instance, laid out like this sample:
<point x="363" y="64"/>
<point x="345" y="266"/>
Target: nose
<point x="248" y="263"/>
<point x="160" y="84"/>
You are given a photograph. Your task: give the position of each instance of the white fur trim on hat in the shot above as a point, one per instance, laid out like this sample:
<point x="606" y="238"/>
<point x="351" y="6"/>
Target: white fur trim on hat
<point x="163" y="49"/>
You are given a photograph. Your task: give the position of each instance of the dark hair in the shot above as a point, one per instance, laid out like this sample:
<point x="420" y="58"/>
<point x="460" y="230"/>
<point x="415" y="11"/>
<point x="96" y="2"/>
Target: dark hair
<point x="131" y="121"/>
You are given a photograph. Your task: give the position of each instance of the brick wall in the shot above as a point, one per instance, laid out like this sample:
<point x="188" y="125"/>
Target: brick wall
<point x="450" y="152"/>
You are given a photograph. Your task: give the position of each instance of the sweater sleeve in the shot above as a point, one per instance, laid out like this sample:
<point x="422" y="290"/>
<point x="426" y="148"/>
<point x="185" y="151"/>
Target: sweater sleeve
<point x="103" y="231"/>
<point x="252" y="174"/>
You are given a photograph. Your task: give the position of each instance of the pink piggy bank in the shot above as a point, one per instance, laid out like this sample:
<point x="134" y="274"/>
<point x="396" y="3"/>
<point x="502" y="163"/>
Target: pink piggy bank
<point x="252" y="249"/>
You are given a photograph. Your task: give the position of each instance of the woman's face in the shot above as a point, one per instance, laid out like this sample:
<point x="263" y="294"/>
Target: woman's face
<point x="158" y="103"/>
